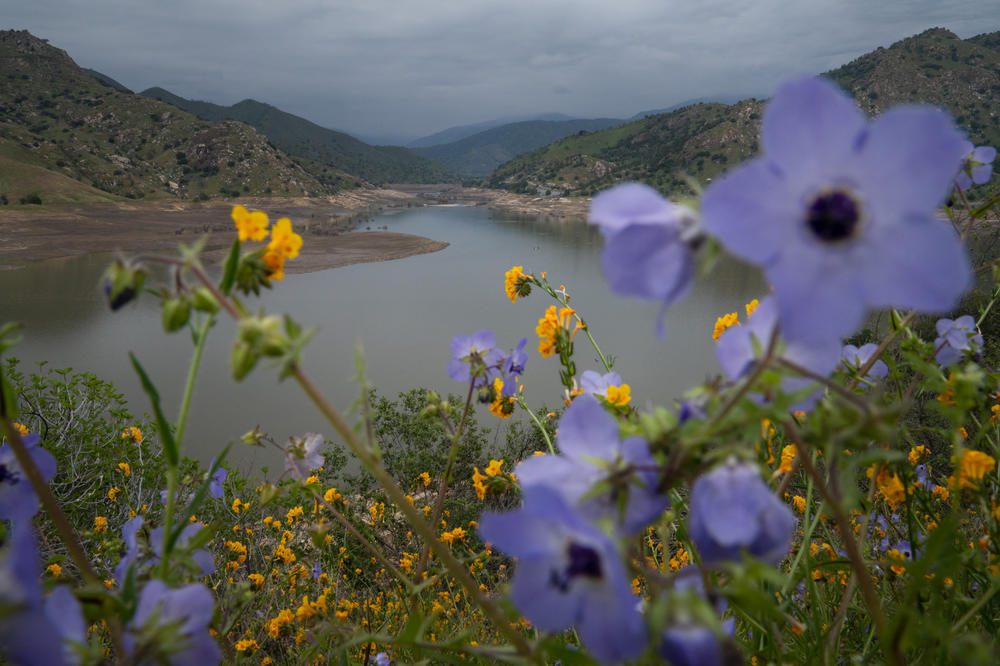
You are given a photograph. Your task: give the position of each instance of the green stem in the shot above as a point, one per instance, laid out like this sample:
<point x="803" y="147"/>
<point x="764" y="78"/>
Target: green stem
<point x="168" y="519"/>
<point x="538" y="424"/>
<point x="199" y="346"/>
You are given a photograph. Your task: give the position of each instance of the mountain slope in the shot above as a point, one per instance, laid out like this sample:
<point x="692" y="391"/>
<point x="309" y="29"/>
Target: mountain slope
<point x="453" y="134"/>
<point x="480" y="154"/>
<point x="302" y="138"/>
<point x="698" y="142"/>
<point x="56" y="117"/>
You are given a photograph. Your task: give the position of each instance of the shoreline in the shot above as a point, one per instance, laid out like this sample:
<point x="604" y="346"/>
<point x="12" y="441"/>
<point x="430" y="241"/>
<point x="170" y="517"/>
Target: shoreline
<point x="56" y="232"/>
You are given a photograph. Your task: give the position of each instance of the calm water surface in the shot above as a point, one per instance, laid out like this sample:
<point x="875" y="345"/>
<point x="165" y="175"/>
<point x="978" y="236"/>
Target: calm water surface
<point x="404" y="312"/>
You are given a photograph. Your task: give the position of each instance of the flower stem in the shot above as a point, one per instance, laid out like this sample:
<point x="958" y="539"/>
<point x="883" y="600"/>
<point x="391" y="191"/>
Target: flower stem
<point x="199" y="346"/>
<point x="538" y="424"/>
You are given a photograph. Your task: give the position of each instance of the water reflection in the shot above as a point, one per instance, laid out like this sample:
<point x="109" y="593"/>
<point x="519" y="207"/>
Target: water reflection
<point x="405" y="313"/>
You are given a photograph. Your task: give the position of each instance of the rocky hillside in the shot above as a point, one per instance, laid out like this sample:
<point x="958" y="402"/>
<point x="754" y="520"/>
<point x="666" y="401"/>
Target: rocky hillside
<point x="56" y="118"/>
<point x="698" y="142"/>
<point x="302" y="138"/>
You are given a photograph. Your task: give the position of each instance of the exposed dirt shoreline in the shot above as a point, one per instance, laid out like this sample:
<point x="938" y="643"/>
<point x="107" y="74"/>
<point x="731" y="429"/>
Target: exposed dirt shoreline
<point x="29" y="235"/>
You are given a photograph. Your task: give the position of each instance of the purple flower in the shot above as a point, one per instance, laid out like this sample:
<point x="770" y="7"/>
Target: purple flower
<point x="956" y="339"/>
<point x="18" y="501"/>
<point x="854" y="358"/>
<point x="691" y="645"/>
<point x="302" y="455"/>
<point x="739" y="348"/>
<point x="130" y="535"/>
<point x="513" y="366"/>
<point x="594" y="383"/>
<point x="592" y="451"/>
<point x="645" y="254"/>
<point x="475" y="357"/>
<point x="977" y="166"/>
<point x="317" y="571"/>
<point x="218" y="478"/>
<point x="201" y="557"/>
<point x="567" y="574"/>
<point x="840" y="212"/>
<point x="732" y="511"/>
<point x="34" y="631"/>
<point x="380" y="659"/>
<point x="179" y="621"/>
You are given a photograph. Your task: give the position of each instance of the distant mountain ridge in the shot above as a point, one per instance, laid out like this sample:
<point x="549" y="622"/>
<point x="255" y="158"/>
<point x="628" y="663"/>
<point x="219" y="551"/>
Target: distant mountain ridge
<point x="303" y="138"/>
<point x="452" y="134"/>
<point x="480" y="154"/>
<point x="701" y="141"/>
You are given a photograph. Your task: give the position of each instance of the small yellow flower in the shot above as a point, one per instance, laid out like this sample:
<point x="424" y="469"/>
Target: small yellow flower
<point x="514" y="283"/>
<point x="113" y="493"/>
<point x="972" y="467"/>
<point x="284" y="240"/>
<point x="256" y="580"/>
<point x="619" y="396"/>
<point x="916" y="453"/>
<point x="425" y="478"/>
<point x="800" y="503"/>
<point x="247" y="644"/>
<point x="553" y="326"/>
<point x="132" y="433"/>
<point x="724" y="322"/>
<point x="477" y="483"/>
<point x="493" y="469"/>
<point x="250" y="226"/>
<point x="125" y="468"/>
<point x="311" y="480"/>
<point x="54" y="569"/>
<point x="22" y="430"/>
<point x="788" y="454"/>
<point x="100" y="524"/>
<point x="108" y="583"/>
<point x="751" y="306"/>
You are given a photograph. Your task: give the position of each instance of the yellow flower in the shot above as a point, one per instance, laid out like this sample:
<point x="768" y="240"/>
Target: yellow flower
<point x="514" y="283"/>
<point x="108" y="583"/>
<point x="252" y="226"/>
<point x="972" y="467"/>
<point x="619" y="396"/>
<point x="311" y="480"/>
<point x="916" y="453"/>
<point x="284" y="240"/>
<point x="788" y="454"/>
<point x="896" y="556"/>
<point x="552" y="327"/>
<point x="425" y="478"/>
<point x="246" y="644"/>
<point x="256" y="579"/>
<point x="477" y="483"/>
<point x="964" y="433"/>
<point x="22" y="430"/>
<point x="800" y="503"/>
<point x="724" y="322"/>
<point x="113" y="493"/>
<point x="54" y="569"/>
<point x="125" y="468"/>
<point x="275" y="265"/>
<point x="100" y="524"/>
<point x="293" y="514"/>
<point x="132" y="433"/>
<point x="266" y="661"/>
<point x="493" y="469"/>
<point x="889" y="485"/>
<point x="502" y="407"/>
<point x="751" y="306"/>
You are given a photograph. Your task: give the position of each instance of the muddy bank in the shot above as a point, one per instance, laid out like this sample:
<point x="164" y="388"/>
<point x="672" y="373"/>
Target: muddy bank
<point x="52" y="232"/>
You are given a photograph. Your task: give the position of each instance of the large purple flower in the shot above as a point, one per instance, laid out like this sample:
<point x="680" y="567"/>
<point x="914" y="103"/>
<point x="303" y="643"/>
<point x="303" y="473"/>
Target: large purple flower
<point x="739" y="348"/>
<point x="130" y="535"/>
<point x="592" y="451"/>
<point x="977" y="166"/>
<point x="956" y="339"/>
<point x="840" y="212"/>
<point x="645" y="254"/>
<point x="732" y="511"/>
<point x="18" y="501"/>
<point x="189" y="610"/>
<point x="567" y="574"/>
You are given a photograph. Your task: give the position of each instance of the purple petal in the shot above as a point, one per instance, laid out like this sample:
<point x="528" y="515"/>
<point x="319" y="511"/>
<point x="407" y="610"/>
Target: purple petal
<point x="585" y="429"/>
<point x="630" y="203"/>
<point x="647" y="261"/>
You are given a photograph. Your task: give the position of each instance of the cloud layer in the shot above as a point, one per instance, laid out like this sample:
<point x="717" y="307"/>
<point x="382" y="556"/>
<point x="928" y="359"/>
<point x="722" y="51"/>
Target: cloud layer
<point x="391" y="68"/>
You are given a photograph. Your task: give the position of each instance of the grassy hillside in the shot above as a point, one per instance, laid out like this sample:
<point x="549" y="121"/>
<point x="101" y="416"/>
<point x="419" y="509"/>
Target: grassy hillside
<point x="302" y="138"/>
<point x="700" y="141"/>
<point x="56" y="117"/>
<point x="480" y="154"/>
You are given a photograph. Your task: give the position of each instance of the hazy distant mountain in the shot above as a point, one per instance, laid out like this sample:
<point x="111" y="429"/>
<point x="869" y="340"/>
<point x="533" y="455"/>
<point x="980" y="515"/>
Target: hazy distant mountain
<point x="724" y="99"/>
<point x="703" y="140"/>
<point x="302" y="138"/>
<point x="65" y="136"/>
<point x="458" y="133"/>
<point x="478" y="155"/>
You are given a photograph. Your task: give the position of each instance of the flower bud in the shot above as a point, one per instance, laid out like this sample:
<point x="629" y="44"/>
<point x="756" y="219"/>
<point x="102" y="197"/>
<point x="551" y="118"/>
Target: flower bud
<point x="204" y="300"/>
<point x="176" y="312"/>
<point x="122" y="283"/>
<point x="243" y="360"/>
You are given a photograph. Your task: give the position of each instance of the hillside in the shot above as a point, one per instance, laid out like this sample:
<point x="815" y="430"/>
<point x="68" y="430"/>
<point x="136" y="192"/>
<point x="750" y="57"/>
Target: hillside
<point x="459" y="132"/>
<point x="700" y="141"/>
<point x="480" y="154"/>
<point x="57" y="118"/>
<point x="302" y="138"/>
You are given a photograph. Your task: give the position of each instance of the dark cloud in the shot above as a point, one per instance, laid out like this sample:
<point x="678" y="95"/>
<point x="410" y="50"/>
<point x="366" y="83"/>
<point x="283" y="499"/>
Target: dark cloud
<point x="389" y="67"/>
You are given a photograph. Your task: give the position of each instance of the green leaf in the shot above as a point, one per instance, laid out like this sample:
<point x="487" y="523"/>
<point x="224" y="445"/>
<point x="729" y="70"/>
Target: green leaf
<point x="415" y="627"/>
<point x="229" y="273"/>
<point x="170" y="448"/>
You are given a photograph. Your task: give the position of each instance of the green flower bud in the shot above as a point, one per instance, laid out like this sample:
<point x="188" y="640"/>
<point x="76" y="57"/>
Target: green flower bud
<point x="204" y="301"/>
<point x="243" y="360"/>
<point x="176" y="312"/>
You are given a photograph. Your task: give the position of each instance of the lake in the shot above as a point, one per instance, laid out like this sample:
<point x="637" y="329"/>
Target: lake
<point x="404" y="312"/>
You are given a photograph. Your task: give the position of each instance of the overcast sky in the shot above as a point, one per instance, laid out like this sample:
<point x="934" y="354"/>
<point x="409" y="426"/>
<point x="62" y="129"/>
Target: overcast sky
<point x="407" y="68"/>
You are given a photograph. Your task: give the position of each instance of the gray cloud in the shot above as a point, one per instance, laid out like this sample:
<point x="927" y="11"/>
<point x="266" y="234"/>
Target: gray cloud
<point x="411" y="68"/>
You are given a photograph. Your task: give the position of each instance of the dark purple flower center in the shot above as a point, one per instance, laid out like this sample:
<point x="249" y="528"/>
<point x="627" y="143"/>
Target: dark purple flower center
<point x="833" y="216"/>
<point x="583" y="561"/>
<point x="7" y="475"/>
